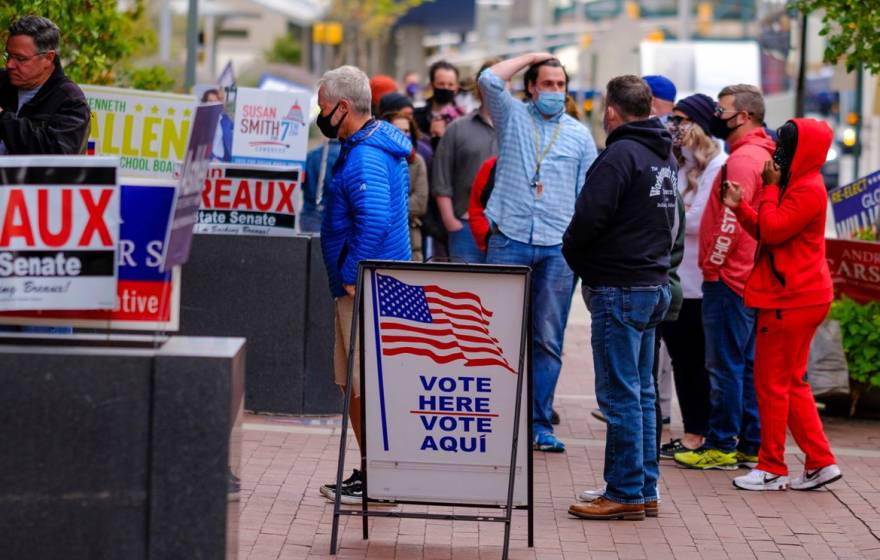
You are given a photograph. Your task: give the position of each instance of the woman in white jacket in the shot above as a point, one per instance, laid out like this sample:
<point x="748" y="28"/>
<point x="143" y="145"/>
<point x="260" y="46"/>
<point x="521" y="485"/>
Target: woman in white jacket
<point x="700" y="158"/>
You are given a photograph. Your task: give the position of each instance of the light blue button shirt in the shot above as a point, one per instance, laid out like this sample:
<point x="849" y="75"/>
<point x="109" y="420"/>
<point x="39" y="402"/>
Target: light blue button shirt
<point x="515" y="206"/>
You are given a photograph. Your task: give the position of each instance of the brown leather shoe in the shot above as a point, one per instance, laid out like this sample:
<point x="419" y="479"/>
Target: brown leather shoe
<point x="651" y="509"/>
<point x="602" y="508"/>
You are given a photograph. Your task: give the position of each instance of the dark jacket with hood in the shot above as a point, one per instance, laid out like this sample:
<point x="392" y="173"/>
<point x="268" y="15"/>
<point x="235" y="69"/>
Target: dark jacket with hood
<point x="789" y="224"/>
<point x="55" y="121"/>
<point x="366" y="205"/>
<point x="622" y="230"/>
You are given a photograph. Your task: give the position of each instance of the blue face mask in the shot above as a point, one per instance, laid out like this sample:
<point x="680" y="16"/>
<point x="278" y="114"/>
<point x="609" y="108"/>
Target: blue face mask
<point x="550" y="103"/>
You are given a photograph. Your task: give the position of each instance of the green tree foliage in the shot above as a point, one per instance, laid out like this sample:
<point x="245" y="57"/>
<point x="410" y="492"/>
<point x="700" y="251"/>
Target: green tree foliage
<point x="852" y="29"/>
<point x="97" y="37"/>
<point x="372" y="18"/>
<point x="285" y="50"/>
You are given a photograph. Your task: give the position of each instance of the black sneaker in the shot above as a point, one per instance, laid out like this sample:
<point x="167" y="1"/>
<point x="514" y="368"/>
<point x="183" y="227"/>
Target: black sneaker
<point x="351" y="494"/>
<point x="668" y="450"/>
<point x="554" y="417"/>
<point x="329" y="490"/>
<point x="233" y="487"/>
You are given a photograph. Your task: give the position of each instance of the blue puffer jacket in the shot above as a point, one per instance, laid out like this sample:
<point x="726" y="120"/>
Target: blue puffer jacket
<point x="366" y="215"/>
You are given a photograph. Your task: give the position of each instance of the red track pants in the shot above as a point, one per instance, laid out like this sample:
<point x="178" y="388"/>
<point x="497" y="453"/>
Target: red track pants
<point x="782" y="350"/>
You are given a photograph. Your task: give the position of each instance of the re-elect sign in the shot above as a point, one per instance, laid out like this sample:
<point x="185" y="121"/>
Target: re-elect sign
<point x="59" y="229"/>
<point x="249" y="200"/>
<point x="856" y="206"/>
<point x="148" y="130"/>
<point x="441" y="364"/>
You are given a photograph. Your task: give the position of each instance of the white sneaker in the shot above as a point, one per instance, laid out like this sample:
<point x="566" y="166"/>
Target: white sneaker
<point x="761" y="480"/>
<point x="820" y="477"/>
<point x="590" y="495"/>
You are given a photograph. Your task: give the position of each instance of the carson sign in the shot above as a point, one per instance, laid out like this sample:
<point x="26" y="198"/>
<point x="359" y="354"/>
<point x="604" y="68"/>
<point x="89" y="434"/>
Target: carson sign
<point x="59" y="231"/>
<point x="148" y="130"/>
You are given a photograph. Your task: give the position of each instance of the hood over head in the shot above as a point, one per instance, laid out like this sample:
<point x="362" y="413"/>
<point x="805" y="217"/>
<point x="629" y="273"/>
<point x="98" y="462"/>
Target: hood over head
<point x="649" y="132"/>
<point x="813" y="140"/>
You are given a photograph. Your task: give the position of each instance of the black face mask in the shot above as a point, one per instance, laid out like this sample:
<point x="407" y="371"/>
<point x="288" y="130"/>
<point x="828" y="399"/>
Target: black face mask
<point x="443" y="96"/>
<point x="785" y="149"/>
<point x="719" y="129"/>
<point x="329" y="130"/>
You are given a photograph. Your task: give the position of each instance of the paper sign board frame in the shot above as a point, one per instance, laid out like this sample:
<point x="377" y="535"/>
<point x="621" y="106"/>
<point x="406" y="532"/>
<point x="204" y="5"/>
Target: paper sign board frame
<point x="523" y="384"/>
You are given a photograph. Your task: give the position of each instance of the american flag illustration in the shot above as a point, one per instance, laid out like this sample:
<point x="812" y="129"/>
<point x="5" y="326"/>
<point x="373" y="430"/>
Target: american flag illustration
<point x="439" y="324"/>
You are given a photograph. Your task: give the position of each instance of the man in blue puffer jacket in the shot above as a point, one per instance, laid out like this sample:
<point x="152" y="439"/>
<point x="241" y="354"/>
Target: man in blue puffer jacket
<point x="366" y="215"/>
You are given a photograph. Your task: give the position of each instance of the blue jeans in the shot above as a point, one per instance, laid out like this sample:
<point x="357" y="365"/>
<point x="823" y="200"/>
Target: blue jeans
<point x="623" y="326"/>
<point x="730" y="352"/>
<point x="310" y="219"/>
<point x="462" y="247"/>
<point x="552" y="287"/>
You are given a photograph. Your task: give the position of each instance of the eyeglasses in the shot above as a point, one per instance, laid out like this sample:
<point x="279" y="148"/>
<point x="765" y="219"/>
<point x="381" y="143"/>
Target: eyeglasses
<point x="719" y="110"/>
<point x="21" y="59"/>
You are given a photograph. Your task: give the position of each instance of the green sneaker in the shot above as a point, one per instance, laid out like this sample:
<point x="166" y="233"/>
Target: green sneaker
<point x="707" y="459"/>
<point x="746" y="460"/>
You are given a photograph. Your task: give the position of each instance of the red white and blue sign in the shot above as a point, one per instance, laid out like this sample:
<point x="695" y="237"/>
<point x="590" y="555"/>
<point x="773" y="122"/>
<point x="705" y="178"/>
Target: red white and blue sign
<point x="442" y="358"/>
<point x="856" y="206"/>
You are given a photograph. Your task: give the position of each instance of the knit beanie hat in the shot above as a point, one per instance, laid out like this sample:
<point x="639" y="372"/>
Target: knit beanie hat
<point x="661" y="87"/>
<point x="699" y="108"/>
<point x="381" y="84"/>
<point x="393" y="102"/>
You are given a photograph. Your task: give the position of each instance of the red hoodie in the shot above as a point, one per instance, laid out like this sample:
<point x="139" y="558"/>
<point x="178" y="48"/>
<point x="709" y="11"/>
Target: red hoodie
<point x="791" y="270"/>
<point x="726" y="254"/>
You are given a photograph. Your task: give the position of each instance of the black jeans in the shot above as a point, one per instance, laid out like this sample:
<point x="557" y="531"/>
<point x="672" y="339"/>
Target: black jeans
<point x="686" y="344"/>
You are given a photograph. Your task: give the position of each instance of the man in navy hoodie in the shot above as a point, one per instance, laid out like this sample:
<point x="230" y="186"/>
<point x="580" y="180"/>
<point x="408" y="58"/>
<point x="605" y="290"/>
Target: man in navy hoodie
<point x="619" y="243"/>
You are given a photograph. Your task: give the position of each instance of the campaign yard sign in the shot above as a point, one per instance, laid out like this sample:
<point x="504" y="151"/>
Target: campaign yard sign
<point x="856" y="206"/>
<point x="59" y="230"/>
<point x="271" y="127"/>
<point x="855" y="268"/>
<point x="441" y="363"/>
<point x="148" y="130"/>
<point x="254" y="200"/>
<point x="147" y="299"/>
<point x="189" y="188"/>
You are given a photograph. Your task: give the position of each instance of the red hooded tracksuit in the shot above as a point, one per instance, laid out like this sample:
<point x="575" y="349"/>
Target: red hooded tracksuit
<point x="790" y="286"/>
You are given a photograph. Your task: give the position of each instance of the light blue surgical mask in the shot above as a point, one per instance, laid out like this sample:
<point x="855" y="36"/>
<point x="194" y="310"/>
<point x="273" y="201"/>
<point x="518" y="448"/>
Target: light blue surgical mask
<point x="550" y="103"/>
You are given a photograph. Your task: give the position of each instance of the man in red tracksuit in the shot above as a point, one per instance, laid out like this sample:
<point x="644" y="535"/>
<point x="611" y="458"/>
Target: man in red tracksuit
<point x="791" y="288"/>
<point x="727" y="256"/>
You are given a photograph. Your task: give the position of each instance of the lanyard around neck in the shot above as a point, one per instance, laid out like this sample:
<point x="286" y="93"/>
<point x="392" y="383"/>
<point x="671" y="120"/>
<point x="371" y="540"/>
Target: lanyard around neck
<point x="539" y="155"/>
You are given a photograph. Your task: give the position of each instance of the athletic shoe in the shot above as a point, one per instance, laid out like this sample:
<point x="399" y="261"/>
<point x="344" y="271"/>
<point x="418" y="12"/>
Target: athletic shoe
<point x="816" y="479"/>
<point x="746" y="460"/>
<point x="329" y="490"/>
<point x="590" y="495"/>
<point x="668" y="450"/>
<point x="352" y="494"/>
<point x="233" y="487"/>
<point x="597" y="414"/>
<point x="707" y="459"/>
<point x="546" y="441"/>
<point x="554" y="417"/>
<point x="761" y="480"/>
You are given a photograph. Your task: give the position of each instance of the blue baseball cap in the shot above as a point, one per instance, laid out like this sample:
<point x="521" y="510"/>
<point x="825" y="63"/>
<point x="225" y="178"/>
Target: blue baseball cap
<point x="661" y="87"/>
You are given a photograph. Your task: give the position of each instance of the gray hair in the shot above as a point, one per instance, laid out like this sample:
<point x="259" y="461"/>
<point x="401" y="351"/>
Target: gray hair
<point x="349" y="83"/>
<point x="45" y="34"/>
<point x="746" y="98"/>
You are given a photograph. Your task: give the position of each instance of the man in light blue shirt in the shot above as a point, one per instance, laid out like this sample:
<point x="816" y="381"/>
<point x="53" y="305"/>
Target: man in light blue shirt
<point x="543" y="158"/>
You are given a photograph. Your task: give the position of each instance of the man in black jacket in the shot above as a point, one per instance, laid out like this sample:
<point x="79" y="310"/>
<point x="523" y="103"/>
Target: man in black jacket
<point x="41" y="110"/>
<point x="619" y="243"/>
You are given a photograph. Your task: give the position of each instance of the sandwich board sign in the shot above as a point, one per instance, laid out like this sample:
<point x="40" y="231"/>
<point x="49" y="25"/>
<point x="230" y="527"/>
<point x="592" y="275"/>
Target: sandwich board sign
<point x="444" y="387"/>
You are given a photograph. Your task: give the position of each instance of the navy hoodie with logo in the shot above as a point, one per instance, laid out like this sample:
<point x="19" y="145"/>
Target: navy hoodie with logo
<point x="622" y="230"/>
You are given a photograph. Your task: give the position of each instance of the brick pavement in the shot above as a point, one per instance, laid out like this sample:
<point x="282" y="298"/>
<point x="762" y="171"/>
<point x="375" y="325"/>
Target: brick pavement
<point x="285" y="461"/>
